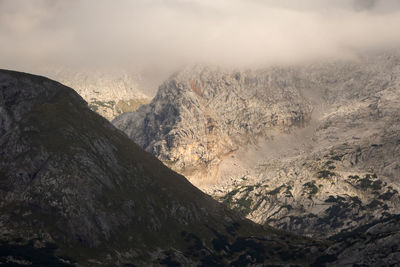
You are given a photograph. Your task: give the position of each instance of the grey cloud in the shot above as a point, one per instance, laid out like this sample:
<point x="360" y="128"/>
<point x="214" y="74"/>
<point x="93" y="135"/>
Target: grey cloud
<point x="168" y="33"/>
<point x="364" y="4"/>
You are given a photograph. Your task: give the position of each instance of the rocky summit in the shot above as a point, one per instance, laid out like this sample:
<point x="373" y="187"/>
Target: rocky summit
<point x="74" y="190"/>
<point x="311" y="149"/>
<point x="203" y="115"/>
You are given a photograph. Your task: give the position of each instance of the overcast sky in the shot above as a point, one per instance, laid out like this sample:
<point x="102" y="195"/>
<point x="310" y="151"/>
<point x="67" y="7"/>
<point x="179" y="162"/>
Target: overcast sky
<point x="35" y="33"/>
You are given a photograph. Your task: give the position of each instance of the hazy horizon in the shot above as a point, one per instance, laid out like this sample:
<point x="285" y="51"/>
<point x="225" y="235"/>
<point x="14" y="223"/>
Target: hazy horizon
<point x="169" y="33"/>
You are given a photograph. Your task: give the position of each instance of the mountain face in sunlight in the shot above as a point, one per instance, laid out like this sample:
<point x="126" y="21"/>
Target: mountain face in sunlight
<point x="203" y="115"/>
<point x="312" y="149"/>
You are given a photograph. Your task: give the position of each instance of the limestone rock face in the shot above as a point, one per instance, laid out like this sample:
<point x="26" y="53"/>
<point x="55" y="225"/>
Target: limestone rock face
<point x="108" y="92"/>
<point x="337" y="172"/>
<point x="204" y="114"/>
<point x="340" y="172"/>
<point x="76" y="190"/>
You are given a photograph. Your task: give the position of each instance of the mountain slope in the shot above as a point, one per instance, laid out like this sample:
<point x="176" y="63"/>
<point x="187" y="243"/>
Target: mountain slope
<point x="344" y="172"/>
<point x="373" y="244"/>
<point x="74" y="189"/>
<point x="202" y="115"/>
<point x="334" y="172"/>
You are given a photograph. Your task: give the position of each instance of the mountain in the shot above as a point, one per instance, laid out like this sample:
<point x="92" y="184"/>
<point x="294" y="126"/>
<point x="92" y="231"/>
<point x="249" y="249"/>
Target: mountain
<point x="76" y="190"/>
<point x="203" y="115"/>
<point x="109" y="92"/>
<point x="340" y="172"/>
<point x="312" y="149"/>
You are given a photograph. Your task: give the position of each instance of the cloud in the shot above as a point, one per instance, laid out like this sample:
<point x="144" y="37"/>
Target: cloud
<point x="169" y="33"/>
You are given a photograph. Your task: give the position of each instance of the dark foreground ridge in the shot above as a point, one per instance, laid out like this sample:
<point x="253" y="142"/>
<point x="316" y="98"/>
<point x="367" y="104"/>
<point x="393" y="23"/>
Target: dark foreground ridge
<point x="75" y="190"/>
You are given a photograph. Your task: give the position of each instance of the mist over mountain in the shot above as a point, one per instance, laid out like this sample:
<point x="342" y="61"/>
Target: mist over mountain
<point x="311" y="149"/>
<point x="169" y="34"/>
<point x="243" y="133"/>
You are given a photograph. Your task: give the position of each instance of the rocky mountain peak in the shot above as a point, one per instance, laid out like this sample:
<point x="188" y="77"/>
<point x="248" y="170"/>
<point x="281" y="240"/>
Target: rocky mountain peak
<point x="203" y="114"/>
<point x="326" y="167"/>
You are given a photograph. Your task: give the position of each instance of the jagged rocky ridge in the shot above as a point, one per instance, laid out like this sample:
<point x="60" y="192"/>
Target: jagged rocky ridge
<point x="75" y="190"/>
<point x="202" y="115"/>
<point x="334" y="173"/>
<point x="344" y="172"/>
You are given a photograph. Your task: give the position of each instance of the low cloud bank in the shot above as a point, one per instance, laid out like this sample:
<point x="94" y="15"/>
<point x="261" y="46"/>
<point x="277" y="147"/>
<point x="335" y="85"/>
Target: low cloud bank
<point x="169" y="33"/>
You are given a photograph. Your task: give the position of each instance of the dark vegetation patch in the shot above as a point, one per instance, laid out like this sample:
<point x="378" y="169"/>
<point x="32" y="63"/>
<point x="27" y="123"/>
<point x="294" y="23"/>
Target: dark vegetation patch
<point x="388" y="194"/>
<point x="356" y="200"/>
<point x="276" y="190"/>
<point x="239" y="199"/>
<point x="242" y="204"/>
<point x="105" y="104"/>
<point x="333" y="199"/>
<point x="325" y="174"/>
<point x="311" y="188"/>
<point x="374" y="204"/>
<point x="37" y="256"/>
<point x="94" y="105"/>
<point x="376" y="145"/>
<point x="340" y="210"/>
<point x="337" y="157"/>
<point x="170" y="163"/>
<point x="95" y="108"/>
<point x="354" y="177"/>
<point x="228" y="198"/>
<point x="369" y="181"/>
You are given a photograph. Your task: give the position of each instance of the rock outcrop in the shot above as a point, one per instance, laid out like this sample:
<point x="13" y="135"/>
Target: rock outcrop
<point x="204" y="114"/>
<point x="76" y="190"/>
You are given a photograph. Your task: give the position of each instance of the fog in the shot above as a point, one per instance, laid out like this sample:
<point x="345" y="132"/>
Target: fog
<point x="170" y="33"/>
